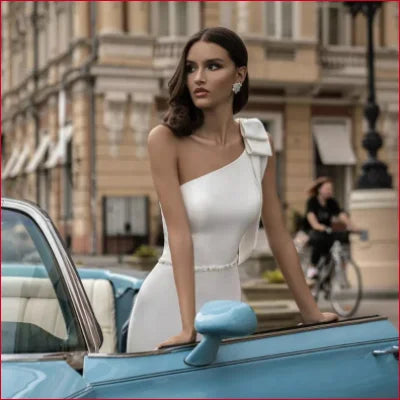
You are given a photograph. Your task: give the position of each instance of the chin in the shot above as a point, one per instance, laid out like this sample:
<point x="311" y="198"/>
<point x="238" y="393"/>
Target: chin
<point x="203" y="103"/>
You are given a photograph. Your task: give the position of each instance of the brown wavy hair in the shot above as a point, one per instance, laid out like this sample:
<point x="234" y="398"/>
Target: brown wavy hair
<point x="314" y="187"/>
<point x="182" y="116"/>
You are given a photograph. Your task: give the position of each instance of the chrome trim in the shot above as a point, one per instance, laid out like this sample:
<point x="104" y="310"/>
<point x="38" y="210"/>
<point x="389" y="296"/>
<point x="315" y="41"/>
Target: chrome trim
<point x="391" y="350"/>
<point x="74" y="359"/>
<point x="86" y="319"/>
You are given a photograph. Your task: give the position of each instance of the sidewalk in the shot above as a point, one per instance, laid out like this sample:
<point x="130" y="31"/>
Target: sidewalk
<point x="111" y="262"/>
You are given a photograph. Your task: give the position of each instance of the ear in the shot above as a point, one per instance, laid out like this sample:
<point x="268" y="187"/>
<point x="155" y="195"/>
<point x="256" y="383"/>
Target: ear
<point x="241" y="73"/>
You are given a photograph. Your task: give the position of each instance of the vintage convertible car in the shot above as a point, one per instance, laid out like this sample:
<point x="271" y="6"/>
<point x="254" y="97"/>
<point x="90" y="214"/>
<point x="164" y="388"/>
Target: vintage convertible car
<point x="64" y="335"/>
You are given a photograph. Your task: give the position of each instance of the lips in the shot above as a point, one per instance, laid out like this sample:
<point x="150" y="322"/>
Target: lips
<point x="200" y="91"/>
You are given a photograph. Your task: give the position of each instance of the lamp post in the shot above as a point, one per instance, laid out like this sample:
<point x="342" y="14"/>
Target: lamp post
<point x="374" y="172"/>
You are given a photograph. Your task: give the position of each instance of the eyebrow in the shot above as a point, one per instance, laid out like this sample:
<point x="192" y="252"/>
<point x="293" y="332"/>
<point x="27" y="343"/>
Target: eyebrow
<point x="211" y="59"/>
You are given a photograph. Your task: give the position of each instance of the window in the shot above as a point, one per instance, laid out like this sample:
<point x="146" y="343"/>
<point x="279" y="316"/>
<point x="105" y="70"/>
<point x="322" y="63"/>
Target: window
<point x="64" y="26"/>
<point x="163" y="18"/>
<point x="181" y="18"/>
<point x="175" y="18"/>
<point x="126" y="223"/>
<point x="279" y="19"/>
<point x="334" y="24"/>
<point x="333" y="154"/>
<point x="225" y="14"/>
<point x="37" y="315"/>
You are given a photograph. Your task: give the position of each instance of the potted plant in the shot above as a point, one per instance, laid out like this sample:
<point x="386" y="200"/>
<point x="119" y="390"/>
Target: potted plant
<point x="144" y="258"/>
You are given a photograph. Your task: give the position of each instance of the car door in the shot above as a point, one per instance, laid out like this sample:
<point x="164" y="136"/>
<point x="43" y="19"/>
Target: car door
<point x="44" y="334"/>
<point x="339" y="359"/>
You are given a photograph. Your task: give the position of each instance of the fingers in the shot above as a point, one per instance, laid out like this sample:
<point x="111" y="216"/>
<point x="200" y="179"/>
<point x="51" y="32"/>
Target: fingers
<point x="329" y="317"/>
<point x="163" y="344"/>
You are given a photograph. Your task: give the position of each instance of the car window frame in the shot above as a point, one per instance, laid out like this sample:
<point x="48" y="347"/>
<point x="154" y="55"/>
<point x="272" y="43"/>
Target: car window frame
<point x="80" y="305"/>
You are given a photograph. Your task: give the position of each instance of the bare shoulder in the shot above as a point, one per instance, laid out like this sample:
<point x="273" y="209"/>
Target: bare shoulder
<point x="161" y="138"/>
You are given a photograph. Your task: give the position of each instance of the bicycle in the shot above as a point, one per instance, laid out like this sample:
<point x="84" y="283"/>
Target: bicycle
<point x="339" y="277"/>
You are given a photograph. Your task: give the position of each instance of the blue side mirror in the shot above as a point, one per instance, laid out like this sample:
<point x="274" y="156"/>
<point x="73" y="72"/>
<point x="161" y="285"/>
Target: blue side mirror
<point x="217" y="320"/>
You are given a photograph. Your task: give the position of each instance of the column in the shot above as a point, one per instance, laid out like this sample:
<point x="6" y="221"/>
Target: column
<point x="110" y="17"/>
<point x="138" y="17"/>
<point x="81" y="30"/>
<point x="30" y="138"/>
<point x="242" y="16"/>
<point x="82" y="222"/>
<point x="376" y="211"/>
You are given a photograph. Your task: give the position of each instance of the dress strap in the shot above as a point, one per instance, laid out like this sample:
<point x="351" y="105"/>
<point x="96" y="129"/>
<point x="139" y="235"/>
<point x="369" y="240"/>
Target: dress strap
<point x="257" y="144"/>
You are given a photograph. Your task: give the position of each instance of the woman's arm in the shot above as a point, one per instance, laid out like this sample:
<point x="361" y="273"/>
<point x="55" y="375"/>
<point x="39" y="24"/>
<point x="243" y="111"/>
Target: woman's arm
<point x="343" y="217"/>
<point x="162" y="147"/>
<point x="284" y="251"/>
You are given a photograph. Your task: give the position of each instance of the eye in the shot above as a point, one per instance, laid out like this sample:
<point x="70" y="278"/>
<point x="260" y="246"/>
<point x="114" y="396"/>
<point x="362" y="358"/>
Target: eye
<point x="214" y="66"/>
<point x="189" y="68"/>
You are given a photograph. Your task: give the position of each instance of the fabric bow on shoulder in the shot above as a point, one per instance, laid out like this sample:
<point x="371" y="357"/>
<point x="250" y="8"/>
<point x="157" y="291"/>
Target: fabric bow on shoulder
<point x="255" y="137"/>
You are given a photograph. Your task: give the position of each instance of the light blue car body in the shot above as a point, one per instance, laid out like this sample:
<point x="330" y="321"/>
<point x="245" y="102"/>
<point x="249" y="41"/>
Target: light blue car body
<point x="352" y="358"/>
<point x="339" y="363"/>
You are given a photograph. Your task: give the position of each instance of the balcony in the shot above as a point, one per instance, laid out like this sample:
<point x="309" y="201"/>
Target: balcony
<point x="167" y="51"/>
<point x="348" y="65"/>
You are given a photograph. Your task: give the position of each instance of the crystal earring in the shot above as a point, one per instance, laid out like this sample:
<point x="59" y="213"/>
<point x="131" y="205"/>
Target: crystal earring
<point x="236" y="87"/>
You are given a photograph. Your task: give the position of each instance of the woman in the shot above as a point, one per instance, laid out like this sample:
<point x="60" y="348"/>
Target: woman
<point x="210" y="175"/>
<point x="321" y="209"/>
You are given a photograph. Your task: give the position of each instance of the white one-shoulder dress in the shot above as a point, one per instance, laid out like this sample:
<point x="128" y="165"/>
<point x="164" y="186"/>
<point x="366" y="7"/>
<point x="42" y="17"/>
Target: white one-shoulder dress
<point x="224" y="209"/>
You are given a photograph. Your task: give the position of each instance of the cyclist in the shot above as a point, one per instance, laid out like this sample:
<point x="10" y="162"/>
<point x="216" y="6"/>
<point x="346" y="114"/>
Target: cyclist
<point x="321" y="211"/>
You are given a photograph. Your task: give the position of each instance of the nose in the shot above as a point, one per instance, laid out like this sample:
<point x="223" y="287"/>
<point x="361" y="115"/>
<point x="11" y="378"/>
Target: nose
<point x="199" y="76"/>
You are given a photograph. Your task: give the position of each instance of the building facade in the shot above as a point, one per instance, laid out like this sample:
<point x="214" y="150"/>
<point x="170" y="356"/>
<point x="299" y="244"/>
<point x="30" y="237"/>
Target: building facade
<point x="84" y="82"/>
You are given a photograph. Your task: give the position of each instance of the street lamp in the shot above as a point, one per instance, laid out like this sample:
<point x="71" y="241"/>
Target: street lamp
<point x="374" y="172"/>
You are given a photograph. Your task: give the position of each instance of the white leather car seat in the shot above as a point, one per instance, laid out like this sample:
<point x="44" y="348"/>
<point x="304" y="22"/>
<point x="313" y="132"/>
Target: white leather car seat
<point x="101" y="297"/>
<point x="33" y="300"/>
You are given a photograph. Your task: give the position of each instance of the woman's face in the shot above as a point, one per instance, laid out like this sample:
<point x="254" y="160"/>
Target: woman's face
<point x="210" y="74"/>
<point x="326" y="190"/>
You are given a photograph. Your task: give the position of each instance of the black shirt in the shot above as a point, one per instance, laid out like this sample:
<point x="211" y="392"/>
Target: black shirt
<point x="324" y="214"/>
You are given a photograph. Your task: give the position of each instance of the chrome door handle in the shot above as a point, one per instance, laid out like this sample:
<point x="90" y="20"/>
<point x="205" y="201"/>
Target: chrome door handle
<point x="391" y="350"/>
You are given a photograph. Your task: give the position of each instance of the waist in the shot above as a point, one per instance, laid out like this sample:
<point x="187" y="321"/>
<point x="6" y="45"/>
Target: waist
<point x="204" y="268"/>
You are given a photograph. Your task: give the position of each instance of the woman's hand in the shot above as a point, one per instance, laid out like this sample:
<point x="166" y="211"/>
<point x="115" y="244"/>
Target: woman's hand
<point x="182" y="338"/>
<point x="325" y="317"/>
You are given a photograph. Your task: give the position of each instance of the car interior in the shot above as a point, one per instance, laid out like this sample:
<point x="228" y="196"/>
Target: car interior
<point x="24" y="300"/>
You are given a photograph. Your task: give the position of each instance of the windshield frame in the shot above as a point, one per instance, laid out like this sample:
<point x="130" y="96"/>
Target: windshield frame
<point x="80" y="305"/>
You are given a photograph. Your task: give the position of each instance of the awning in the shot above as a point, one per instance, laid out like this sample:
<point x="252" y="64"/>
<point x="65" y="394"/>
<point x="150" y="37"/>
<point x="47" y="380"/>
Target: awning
<point x="334" y="145"/>
<point x="10" y="163"/>
<point x="21" y="161"/>
<point x="39" y="154"/>
<point x="58" y="155"/>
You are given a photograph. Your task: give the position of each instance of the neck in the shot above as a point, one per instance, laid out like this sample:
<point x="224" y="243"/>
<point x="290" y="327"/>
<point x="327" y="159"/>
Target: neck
<point x="219" y="126"/>
<point x="321" y="199"/>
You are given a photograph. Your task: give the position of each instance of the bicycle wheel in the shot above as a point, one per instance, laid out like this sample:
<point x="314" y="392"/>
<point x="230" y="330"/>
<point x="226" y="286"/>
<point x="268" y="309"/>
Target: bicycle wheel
<point x="322" y="284"/>
<point x="346" y="288"/>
